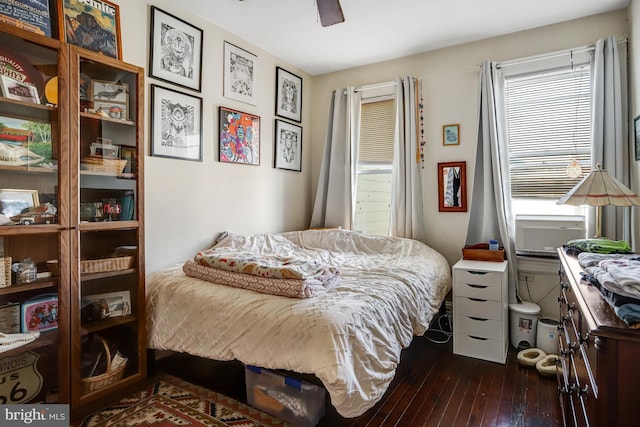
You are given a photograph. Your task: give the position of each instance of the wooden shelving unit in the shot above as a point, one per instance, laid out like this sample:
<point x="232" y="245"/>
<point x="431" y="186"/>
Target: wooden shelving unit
<point x="60" y="355"/>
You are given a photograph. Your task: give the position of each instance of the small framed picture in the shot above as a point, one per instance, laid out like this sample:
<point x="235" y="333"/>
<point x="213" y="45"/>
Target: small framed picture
<point x="288" y="146"/>
<point x="176" y="120"/>
<point x="102" y="306"/>
<point x="175" y="50"/>
<point x="636" y="132"/>
<point x="452" y="187"/>
<point x="240" y="71"/>
<point x="451" y="135"/>
<point x="13" y="202"/>
<point x="15" y="89"/>
<point x="110" y="98"/>
<point x="92" y="25"/>
<point x="239" y="137"/>
<point x="288" y="95"/>
<point x="130" y="155"/>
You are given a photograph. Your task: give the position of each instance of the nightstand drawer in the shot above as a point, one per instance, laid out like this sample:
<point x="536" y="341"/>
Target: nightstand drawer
<point x="477" y="277"/>
<point x="478" y="327"/>
<point x="485" y="309"/>
<point x="480" y="348"/>
<point x="477" y="291"/>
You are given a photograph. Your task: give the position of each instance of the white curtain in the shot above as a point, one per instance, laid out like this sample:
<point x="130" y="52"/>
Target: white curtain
<point x="611" y="146"/>
<point x="490" y="215"/>
<point x="407" y="219"/>
<point x="335" y="194"/>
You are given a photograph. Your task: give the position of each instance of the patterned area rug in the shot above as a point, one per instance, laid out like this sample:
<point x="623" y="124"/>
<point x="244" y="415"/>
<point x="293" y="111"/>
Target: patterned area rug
<point x="169" y="401"/>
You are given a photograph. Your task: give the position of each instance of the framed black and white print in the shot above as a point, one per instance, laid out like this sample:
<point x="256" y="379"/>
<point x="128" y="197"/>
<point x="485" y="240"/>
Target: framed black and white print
<point x="288" y="146"/>
<point x="176" y="123"/>
<point x="288" y="95"/>
<point x="240" y="71"/>
<point x="176" y="50"/>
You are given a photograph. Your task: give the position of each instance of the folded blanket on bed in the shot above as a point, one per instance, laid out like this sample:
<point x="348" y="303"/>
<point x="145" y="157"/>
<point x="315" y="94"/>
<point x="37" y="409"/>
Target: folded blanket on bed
<point x="264" y="265"/>
<point x="295" y="288"/>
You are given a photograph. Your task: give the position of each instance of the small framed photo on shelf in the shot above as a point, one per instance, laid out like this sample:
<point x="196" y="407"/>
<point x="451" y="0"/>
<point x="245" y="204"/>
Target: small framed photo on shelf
<point x="239" y="137"/>
<point x="110" y="99"/>
<point x="92" y="25"/>
<point x="15" y="89"/>
<point x="103" y="306"/>
<point x="288" y="95"/>
<point x="176" y="50"/>
<point x="129" y="154"/>
<point x="288" y="146"/>
<point x="451" y="135"/>
<point x="240" y="71"/>
<point x="176" y="121"/>
<point x="14" y="202"/>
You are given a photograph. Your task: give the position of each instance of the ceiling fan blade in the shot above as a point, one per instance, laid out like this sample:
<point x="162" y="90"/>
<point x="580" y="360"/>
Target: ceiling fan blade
<point x="330" y="12"/>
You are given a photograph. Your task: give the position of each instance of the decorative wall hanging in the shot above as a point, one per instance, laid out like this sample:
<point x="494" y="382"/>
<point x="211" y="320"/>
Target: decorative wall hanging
<point x="239" y="137"/>
<point x="636" y="128"/>
<point x="93" y="25"/>
<point x="288" y="95"/>
<point x="176" y="123"/>
<point x="452" y="187"/>
<point x="176" y="50"/>
<point x="451" y="135"/>
<point x="288" y="146"/>
<point x="240" y="71"/>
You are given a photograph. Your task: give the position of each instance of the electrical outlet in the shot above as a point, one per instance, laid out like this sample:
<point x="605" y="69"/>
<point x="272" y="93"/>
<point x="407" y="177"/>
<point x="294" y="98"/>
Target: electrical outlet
<point x="524" y="276"/>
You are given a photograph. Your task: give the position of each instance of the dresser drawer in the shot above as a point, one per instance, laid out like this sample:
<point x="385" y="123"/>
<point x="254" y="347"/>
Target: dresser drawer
<point x="474" y="277"/>
<point x="477" y="291"/>
<point x="480" y="348"/>
<point x="476" y="307"/>
<point x="477" y="327"/>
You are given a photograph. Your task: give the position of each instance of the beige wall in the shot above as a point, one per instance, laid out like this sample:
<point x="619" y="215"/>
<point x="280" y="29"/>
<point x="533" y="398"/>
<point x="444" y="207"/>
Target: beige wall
<point x="451" y="96"/>
<point x="188" y="203"/>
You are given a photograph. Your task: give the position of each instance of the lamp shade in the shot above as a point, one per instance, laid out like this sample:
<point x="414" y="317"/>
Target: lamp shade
<point x="599" y="188"/>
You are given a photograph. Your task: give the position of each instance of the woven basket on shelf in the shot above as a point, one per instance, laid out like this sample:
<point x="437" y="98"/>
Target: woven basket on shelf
<point x="98" y="382"/>
<point x="5" y="272"/>
<point x="101" y="164"/>
<point x="106" y="264"/>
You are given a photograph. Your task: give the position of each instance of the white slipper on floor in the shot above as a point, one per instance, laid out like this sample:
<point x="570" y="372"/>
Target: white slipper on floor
<point x="530" y="356"/>
<point x="11" y="341"/>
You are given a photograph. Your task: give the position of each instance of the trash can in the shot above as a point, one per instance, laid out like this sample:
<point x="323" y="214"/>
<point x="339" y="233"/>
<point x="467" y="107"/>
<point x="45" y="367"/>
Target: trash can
<point x="547" y="335"/>
<point x="523" y="321"/>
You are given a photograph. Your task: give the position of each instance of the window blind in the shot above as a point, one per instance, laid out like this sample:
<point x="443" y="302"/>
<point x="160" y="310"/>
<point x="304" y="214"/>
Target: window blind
<point x="549" y="124"/>
<point x="377" y="119"/>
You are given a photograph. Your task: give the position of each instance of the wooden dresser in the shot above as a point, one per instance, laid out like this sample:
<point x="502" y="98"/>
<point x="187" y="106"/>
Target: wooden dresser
<point x="600" y="356"/>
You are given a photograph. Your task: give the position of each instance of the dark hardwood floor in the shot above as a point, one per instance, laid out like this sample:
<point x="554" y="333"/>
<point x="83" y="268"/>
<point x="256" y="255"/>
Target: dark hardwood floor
<point x="432" y="387"/>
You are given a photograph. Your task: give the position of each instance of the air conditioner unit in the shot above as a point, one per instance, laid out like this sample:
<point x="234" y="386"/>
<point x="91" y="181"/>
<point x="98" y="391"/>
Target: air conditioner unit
<point x="543" y="234"/>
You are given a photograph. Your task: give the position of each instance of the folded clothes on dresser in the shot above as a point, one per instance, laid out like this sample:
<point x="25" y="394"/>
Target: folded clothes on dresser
<point x="617" y="277"/>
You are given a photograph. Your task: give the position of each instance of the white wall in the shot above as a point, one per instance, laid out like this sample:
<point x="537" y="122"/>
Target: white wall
<point x="188" y="203"/>
<point x="450" y="96"/>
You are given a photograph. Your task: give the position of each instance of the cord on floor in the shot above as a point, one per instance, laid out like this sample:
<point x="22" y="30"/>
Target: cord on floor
<point x="441" y="333"/>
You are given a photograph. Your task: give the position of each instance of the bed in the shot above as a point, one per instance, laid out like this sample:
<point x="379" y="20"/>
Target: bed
<point x="349" y="336"/>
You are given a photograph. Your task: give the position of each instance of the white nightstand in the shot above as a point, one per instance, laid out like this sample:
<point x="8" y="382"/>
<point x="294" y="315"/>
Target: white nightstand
<point x="481" y="310"/>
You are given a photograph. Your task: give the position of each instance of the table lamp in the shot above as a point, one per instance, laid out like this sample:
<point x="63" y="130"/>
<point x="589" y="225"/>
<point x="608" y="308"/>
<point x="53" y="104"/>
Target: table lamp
<point x="599" y="189"/>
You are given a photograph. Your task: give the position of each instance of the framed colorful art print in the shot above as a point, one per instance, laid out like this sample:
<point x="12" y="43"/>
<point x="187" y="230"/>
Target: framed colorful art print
<point x="239" y="137"/>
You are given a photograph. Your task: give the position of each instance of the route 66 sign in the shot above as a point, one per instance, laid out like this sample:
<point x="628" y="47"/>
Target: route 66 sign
<point x="20" y="381"/>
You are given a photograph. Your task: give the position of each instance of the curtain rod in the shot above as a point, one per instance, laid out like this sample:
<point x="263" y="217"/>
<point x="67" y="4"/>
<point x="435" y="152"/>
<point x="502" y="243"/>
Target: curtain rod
<point x="555" y="54"/>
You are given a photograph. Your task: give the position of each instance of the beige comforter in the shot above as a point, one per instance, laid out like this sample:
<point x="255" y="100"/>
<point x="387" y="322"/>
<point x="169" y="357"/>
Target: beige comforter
<point x="349" y="337"/>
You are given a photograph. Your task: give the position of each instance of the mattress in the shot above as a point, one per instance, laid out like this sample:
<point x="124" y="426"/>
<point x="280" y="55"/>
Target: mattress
<point x="349" y="337"/>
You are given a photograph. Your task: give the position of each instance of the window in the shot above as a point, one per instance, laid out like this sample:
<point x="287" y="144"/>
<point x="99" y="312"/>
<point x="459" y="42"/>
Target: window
<point x="375" y="158"/>
<point x="548" y="126"/>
